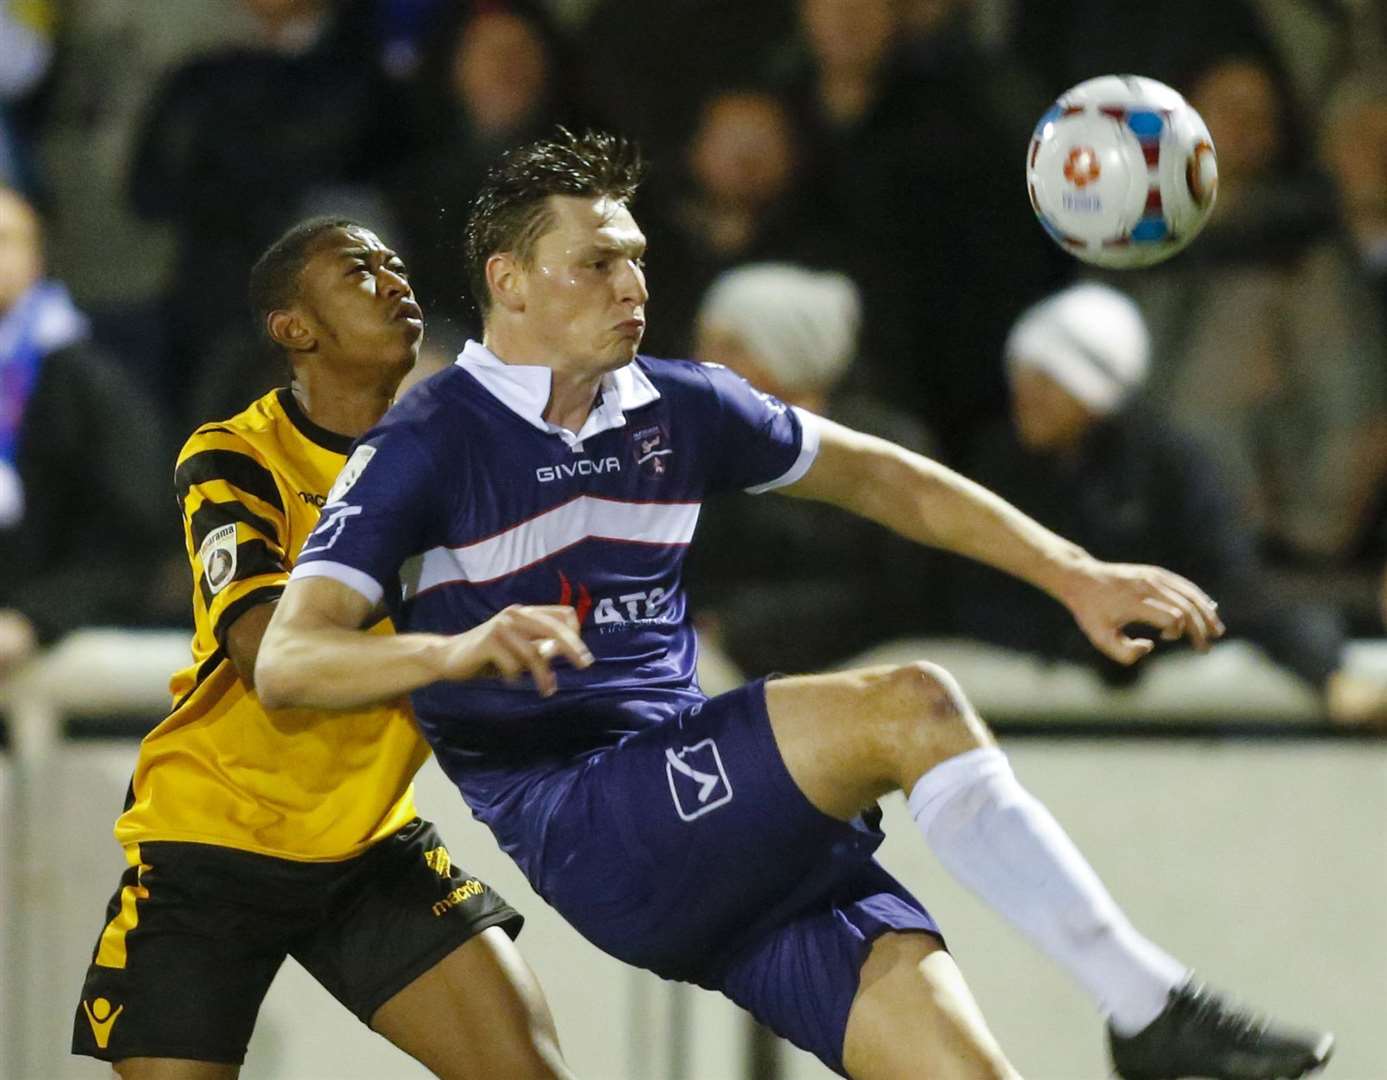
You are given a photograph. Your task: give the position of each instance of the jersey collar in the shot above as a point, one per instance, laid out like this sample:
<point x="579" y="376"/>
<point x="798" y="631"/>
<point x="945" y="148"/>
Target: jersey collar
<point x="524" y="389"/>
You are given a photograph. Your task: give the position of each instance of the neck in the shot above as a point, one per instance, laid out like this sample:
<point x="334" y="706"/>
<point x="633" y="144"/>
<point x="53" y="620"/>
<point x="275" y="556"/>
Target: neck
<point x="571" y="394"/>
<point x="346" y="409"/>
<point x="571" y="398"/>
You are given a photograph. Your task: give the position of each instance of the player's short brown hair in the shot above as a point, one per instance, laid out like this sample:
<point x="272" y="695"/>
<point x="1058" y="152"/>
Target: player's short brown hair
<point x="510" y="211"/>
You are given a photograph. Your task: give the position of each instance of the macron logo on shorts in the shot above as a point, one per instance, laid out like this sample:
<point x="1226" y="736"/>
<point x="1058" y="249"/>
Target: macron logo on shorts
<point x="697" y="780"/>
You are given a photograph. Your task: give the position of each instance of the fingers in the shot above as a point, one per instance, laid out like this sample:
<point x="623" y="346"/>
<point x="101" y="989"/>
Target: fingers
<point x="1125" y="650"/>
<point x="1206" y="607"/>
<point x="1197" y="615"/>
<point x="528" y="639"/>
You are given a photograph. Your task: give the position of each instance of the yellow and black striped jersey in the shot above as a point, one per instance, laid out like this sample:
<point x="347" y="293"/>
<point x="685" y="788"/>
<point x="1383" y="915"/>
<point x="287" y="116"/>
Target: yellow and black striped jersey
<point x="295" y="783"/>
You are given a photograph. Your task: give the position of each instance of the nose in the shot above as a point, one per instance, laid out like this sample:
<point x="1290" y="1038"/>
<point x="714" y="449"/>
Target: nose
<point x="631" y="285"/>
<point x="391" y="283"/>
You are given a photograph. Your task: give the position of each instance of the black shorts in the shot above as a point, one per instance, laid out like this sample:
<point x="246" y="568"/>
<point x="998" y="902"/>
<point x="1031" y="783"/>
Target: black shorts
<point x="195" y="934"/>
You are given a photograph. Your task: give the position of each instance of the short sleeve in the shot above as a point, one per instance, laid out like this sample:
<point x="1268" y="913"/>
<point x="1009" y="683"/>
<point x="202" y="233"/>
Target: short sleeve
<point x="761" y="443"/>
<point x="234" y="524"/>
<point x="383" y="506"/>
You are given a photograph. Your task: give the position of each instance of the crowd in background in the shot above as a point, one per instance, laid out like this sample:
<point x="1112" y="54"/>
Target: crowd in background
<point x="835" y="208"/>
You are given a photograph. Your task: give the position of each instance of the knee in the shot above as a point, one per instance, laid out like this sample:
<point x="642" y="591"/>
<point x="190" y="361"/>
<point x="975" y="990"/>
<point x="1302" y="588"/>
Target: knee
<point x="921" y="700"/>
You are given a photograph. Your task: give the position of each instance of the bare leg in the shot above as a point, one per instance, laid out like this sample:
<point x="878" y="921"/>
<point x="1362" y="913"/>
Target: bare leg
<point x="914" y="1016"/>
<point x="848" y="739"/>
<point x="478" y="1013"/>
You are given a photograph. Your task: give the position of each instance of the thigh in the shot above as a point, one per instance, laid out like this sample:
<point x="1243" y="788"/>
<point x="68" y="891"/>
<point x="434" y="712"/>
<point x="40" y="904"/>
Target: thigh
<point x="914" y="1014"/>
<point x="479" y="1012"/>
<point x="672" y="848"/>
<point x="182" y="964"/>
<point x="803" y="977"/>
<point x="402" y="908"/>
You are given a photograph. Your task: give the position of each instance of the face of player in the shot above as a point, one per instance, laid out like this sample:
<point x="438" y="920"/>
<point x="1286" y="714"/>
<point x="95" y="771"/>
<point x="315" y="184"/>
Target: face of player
<point x="357" y="303"/>
<point x="584" y="289"/>
<point x="1048" y="418"/>
<point x="20" y="261"/>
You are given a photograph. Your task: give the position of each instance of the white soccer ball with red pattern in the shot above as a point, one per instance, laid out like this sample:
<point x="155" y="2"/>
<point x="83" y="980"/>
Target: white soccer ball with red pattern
<point x="1122" y="171"/>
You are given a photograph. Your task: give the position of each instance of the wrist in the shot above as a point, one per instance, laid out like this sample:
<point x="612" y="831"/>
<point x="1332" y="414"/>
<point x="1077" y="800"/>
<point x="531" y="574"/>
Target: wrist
<point x="1066" y="573"/>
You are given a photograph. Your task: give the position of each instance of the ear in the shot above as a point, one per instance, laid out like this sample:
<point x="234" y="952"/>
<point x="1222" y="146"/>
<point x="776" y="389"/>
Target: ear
<point x="505" y="277"/>
<point x="289" y="331"/>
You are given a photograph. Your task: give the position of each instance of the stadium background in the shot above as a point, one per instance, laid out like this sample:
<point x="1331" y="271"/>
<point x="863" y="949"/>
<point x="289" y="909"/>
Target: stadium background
<point x="1233" y="810"/>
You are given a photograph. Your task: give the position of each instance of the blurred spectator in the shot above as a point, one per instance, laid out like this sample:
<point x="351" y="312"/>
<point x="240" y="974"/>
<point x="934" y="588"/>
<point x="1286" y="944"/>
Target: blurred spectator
<point x="499" y="79"/>
<point x="736" y="200"/>
<point x="648" y="67"/>
<point x="26" y="50"/>
<point x="83" y="493"/>
<point x="1068" y="41"/>
<point x="237" y="144"/>
<point x="908" y="161"/>
<point x="1118" y="480"/>
<point x="1354" y="147"/>
<point x="111" y="54"/>
<point x="787" y="584"/>
<point x="1267" y="344"/>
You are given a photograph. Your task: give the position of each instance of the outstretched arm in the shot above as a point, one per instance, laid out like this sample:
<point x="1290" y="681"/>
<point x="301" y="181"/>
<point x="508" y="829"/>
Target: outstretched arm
<point x="314" y="654"/>
<point x="931" y="504"/>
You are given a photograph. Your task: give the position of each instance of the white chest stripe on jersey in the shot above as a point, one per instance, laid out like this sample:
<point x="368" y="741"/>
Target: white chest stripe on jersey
<point x="585" y="517"/>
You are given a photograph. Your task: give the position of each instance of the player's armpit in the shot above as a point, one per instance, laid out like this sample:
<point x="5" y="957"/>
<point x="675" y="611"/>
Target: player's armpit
<point x="242" y="641"/>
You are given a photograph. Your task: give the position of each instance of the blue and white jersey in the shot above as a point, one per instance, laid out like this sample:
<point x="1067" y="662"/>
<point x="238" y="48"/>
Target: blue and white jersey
<point x="464" y="499"/>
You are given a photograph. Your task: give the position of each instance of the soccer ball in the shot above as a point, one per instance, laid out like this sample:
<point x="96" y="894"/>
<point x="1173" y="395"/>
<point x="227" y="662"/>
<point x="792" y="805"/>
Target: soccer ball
<point x="1122" y="171"/>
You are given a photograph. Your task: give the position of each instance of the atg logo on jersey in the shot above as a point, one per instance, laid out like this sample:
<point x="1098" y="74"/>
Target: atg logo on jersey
<point x="651" y="449"/>
<point x="697" y="781"/>
<point x="547" y="474"/>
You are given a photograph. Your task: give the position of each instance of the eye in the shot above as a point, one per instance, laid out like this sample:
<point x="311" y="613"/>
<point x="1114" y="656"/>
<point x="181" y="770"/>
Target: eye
<point x="395" y="266"/>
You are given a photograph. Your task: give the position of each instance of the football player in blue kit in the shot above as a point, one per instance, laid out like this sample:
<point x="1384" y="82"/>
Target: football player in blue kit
<point x="524" y="516"/>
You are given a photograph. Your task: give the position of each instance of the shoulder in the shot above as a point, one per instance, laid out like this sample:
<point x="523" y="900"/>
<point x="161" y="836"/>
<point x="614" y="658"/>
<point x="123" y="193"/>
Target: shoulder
<point x="691" y="383"/>
<point x="239" y="451"/>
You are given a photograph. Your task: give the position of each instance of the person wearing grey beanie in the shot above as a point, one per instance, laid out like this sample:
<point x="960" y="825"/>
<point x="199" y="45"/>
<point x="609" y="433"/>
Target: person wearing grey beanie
<point x="1085" y="455"/>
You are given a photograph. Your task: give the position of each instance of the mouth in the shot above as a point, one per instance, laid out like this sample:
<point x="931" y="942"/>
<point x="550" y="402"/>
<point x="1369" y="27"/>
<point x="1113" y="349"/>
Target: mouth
<point x="408" y="311"/>
<point x="631" y="327"/>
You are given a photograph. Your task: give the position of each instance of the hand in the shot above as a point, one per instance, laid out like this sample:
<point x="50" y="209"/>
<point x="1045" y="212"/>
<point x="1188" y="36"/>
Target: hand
<point x="1355" y="700"/>
<point x="519" y="639"/>
<point x="17" y="639"/>
<point x="1104" y="598"/>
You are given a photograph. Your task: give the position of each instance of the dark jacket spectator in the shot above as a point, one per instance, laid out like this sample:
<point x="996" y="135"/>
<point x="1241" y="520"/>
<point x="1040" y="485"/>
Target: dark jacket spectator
<point x="1118" y="480"/>
<point x="239" y="143"/>
<point x="784" y="584"/>
<point x="84" y="496"/>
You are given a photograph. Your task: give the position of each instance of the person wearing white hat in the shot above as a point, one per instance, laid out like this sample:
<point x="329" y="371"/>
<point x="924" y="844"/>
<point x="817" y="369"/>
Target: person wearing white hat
<point x="792" y="585"/>
<point x="1085" y="455"/>
<point x="1072" y="359"/>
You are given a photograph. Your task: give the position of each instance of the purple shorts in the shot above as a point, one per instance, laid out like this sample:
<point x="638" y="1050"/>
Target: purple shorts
<point x="688" y="850"/>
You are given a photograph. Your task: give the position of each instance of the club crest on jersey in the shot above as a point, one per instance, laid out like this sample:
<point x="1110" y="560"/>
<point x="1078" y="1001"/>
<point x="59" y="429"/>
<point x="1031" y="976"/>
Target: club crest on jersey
<point x="218" y="557"/>
<point x="351" y="472"/>
<point x="650" y="447"/>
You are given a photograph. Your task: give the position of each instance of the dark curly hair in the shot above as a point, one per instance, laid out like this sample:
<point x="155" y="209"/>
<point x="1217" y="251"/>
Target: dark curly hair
<point x="511" y="210"/>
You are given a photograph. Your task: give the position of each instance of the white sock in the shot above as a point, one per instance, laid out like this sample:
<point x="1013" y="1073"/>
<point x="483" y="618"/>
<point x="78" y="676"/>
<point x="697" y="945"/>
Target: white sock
<point x="997" y="839"/>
